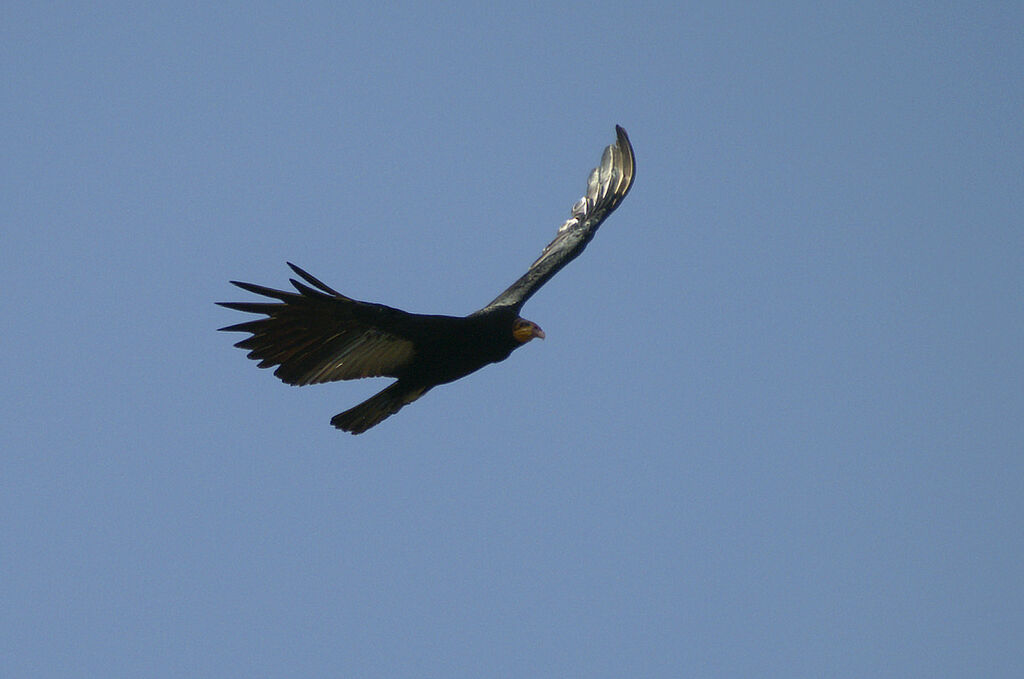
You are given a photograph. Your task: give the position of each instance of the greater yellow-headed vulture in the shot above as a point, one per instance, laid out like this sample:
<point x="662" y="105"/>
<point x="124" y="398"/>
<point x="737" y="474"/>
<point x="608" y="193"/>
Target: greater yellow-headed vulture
<point x="316" y="334"/>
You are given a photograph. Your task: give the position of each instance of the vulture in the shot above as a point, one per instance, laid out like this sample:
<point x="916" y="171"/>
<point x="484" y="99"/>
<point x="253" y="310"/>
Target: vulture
<point x="316" y="334"/>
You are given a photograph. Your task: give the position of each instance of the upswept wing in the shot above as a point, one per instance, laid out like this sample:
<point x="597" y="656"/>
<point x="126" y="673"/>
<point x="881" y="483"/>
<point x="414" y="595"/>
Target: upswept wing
<point x="318" y="335"/>
<point x="608" y="184"/>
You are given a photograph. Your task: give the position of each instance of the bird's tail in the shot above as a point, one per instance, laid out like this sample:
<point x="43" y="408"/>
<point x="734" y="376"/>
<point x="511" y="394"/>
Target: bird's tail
<point x="376" y="408"/>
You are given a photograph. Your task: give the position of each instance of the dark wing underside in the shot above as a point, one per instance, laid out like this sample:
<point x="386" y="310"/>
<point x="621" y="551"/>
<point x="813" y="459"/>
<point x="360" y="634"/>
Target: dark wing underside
<point x="319" y="335"/>
<point x="607" y="186"/>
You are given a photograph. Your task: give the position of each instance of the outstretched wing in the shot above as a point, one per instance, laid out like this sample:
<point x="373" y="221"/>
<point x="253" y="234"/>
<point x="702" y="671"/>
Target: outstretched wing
<point x="318" y="335"/>
<point x="607" y="186"/>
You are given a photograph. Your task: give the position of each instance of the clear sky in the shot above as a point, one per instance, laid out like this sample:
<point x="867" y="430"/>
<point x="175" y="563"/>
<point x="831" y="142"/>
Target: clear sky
<point x="776" y="428"/>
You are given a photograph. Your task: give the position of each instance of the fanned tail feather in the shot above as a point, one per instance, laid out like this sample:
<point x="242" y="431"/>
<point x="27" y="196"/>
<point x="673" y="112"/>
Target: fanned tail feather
<point x="377" y="408"/>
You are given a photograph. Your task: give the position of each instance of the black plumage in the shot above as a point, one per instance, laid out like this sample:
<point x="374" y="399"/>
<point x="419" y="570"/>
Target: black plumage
<point x="316" y="334"/>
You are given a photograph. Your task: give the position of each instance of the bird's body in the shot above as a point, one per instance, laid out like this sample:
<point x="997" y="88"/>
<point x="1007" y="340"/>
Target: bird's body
<point x="316" y="334"/>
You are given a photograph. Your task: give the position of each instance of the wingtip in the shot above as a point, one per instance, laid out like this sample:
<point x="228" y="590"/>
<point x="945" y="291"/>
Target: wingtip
<point x="628" y="159"/>
<point x="622" y="139"/>
<point x="314" y="281"/>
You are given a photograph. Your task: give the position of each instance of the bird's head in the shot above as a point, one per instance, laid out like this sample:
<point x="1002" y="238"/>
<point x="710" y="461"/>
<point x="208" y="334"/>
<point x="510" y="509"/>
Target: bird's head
<point x="524" y="330"/>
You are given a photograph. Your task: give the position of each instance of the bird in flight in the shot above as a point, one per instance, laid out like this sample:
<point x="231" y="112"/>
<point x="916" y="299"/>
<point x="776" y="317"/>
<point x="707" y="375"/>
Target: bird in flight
<point x="316" y="334"/>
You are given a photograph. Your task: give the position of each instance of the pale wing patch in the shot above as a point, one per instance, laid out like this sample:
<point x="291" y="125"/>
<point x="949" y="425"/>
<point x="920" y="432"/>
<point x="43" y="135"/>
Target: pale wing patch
<point x="370" y="353"/>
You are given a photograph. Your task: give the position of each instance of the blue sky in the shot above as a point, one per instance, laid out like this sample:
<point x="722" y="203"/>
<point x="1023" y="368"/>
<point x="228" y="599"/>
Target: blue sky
<point x="775" y="429"/>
